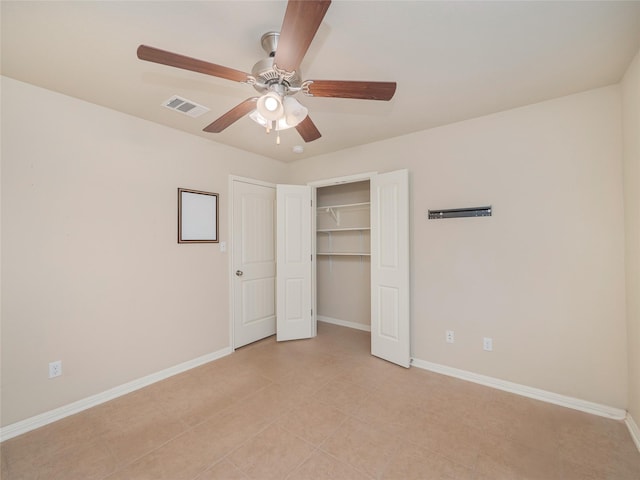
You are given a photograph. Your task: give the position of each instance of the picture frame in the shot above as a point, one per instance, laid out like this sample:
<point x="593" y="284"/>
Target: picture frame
<point x="197" y="216"/>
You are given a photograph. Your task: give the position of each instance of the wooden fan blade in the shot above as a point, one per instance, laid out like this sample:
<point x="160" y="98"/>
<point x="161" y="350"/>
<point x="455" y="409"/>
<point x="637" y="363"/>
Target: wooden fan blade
<point x="151" y="54"/>
<point x="300" y="24"/>
<point x="233" y="115"/>
<point x="307" y="130"/>
<point x="350" y="89"/>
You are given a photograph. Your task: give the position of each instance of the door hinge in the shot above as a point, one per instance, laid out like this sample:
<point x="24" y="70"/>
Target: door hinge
<point x="312" y="257"/>
<point x="312" y="312"/>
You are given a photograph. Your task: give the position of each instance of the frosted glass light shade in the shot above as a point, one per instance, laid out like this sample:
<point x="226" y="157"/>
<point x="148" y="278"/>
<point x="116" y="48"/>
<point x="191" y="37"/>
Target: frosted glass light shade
<point x="294" y="111"/>
<point x="270" y="106"/>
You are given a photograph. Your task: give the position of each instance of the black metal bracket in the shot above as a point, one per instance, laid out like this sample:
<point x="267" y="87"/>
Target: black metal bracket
<point x="460" y="212"/>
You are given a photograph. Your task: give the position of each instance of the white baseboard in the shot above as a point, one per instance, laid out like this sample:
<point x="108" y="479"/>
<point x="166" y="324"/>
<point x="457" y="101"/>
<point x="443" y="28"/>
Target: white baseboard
<point x="45" y="418"/>
<point x="24" y="426"/>
<point x="633" y="430"/>
<point x="535" y="393"/>
<point x="344" y="323"/>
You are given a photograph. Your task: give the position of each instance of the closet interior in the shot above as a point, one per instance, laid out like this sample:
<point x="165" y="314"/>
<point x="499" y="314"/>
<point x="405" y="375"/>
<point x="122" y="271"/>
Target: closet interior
<point x="343" y="249"/>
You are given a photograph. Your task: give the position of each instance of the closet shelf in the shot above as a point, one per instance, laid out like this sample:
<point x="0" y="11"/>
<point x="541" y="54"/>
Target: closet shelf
<point x="345" y="206"/>
<point x="349" y="229"/>
<point x="352" y="254"/>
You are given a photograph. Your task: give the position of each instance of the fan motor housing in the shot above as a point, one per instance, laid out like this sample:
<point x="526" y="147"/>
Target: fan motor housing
<point x="265" y="73"/>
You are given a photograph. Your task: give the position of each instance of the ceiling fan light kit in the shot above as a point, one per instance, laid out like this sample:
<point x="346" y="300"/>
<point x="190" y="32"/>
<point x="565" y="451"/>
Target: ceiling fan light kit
<point x="286" y="113"/>
<point x="278" y="77"/>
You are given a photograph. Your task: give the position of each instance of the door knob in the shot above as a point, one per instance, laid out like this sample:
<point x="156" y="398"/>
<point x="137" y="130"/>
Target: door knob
<point x="239" y="273"/>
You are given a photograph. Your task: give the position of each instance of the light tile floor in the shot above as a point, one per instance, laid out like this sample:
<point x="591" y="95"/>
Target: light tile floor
<point x="321" y="409"/>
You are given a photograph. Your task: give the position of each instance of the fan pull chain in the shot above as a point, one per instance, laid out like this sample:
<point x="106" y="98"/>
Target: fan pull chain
<point x="273" y="126"/>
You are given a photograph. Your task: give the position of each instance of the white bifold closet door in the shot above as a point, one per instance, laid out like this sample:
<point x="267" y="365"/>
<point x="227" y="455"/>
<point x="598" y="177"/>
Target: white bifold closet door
<point x="294" y="262"/>
<point x="390" y="335"/>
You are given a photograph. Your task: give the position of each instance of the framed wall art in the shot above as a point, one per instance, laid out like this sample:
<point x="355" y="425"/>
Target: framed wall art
<point x="197" y="216"/>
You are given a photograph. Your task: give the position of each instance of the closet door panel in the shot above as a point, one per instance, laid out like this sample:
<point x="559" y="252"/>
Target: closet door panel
<point x="390" y="320"/>
<point x="294" y="247"/>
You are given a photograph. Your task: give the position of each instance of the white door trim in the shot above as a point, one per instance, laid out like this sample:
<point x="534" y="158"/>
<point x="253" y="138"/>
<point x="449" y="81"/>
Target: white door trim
<point x="338" y="180"/>
<point x="232" y="179"/>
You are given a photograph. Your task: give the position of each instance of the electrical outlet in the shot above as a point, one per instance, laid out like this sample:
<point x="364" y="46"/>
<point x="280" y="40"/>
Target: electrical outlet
<point x="487" y="344"/>
<point x="55" y="369"/>
<point x="449" y="336"/>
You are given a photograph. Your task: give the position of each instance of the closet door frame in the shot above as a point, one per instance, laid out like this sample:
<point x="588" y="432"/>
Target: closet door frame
<point x="329" y="182"/>
<point x="361" y="177"/>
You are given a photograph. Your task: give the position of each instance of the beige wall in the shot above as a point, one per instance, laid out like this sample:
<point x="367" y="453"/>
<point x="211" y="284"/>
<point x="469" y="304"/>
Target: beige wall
<point x="92" y="274"/>
<point x="91" y="271"/>
<point x="545" y="275"/>
<point x="631" y="142"/>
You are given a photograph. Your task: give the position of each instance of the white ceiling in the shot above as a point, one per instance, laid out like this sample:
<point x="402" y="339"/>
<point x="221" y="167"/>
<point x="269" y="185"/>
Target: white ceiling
<point x="452" y="60"/>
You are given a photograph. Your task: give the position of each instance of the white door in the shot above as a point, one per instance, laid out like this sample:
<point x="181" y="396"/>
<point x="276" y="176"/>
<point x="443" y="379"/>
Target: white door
<point x="390" y="338"/>
<point x="294" y="263"/>
<point x="253" y="262"/>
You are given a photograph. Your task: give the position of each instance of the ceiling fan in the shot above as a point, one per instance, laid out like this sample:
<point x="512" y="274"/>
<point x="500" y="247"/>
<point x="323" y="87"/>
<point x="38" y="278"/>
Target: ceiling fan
<point x="278" y="77"/>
